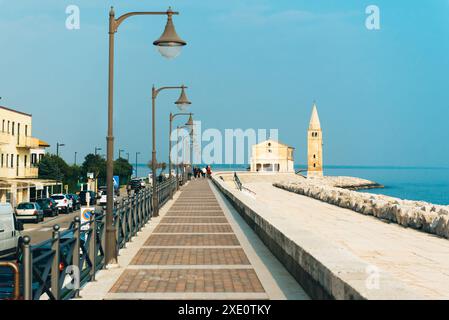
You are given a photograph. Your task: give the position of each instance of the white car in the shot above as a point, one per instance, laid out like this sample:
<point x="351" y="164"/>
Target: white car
<point x="29" y="211"/>
<point x="63" y="202"/>
<point x="10" y="231"/>
<point x="103" y="200"/>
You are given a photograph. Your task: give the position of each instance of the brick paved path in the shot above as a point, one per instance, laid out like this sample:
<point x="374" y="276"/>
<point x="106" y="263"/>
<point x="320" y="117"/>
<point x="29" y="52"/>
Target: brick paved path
<point x="192" y="253"/>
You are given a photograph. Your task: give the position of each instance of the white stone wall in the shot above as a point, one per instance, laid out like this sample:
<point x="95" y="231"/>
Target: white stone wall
<point x="420" y="215"/>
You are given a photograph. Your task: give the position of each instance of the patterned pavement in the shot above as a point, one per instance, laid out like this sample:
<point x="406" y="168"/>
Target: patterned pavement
<point x="194" y="249"/>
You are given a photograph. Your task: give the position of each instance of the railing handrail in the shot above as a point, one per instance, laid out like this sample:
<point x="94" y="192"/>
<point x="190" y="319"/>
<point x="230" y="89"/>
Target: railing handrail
<point x="15" y="268"/>
<point x="240" y="185"/>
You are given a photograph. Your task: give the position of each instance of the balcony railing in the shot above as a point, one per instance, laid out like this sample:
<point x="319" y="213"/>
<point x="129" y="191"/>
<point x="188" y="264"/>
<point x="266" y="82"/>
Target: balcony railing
<point x="12" y="173"/>
<point x="28" y="172"/>
<point x="27" y="142"/>
<point x="5" y="138"/>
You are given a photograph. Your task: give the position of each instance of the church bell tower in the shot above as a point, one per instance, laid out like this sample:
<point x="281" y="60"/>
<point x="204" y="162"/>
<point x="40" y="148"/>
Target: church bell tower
<point x="315" y="146"/>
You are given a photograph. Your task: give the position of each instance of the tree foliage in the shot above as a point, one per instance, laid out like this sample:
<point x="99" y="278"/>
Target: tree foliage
<point x="123" y="169"/>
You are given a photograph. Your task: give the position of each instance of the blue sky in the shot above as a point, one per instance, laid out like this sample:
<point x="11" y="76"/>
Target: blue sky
<point x="382" y="96"/>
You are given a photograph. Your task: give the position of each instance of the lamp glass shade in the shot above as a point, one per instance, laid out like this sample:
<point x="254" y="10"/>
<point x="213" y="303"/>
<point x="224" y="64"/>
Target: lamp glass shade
<point x="182" y="103"/>
<point x="169" y="43"/>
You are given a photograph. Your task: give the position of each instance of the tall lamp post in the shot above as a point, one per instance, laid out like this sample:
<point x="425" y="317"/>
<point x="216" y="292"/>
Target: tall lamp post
<point x="189" y="125"/>
<point x="137" y="153"/>
<point x="172" y="117"/>
<point x="97" y="149"/>
<point x="57" y="147"/>
<point x="127" y="156"/>
<point x="182" y="104"/>
<point x="75" y="157"/>
<point x="120" y="153"/>
<point x="186" y="126"/>
<point x="169" y="46"/>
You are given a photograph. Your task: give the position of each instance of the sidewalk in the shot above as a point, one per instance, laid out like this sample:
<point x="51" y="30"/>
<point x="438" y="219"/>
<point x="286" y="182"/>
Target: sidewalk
<point x="199" y="248"/>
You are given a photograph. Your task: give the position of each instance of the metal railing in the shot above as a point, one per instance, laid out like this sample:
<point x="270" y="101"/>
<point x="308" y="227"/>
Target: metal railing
<point x="9" y="282"/>
<point x="58" y="267"/>
<point x="240" y="185"/>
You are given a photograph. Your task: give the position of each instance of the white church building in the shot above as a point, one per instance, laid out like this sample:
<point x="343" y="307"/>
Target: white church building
<point x="272" y="156"/>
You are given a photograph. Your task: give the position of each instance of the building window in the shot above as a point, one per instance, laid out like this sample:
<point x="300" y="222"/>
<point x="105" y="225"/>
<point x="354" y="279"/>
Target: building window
<point x="12" y="161"/>
<point x="314" y="165"/>
<point x="8" y="126"/>
<point x="314" y="156"/>
<point x="7" y="160"/>
<point x="26" y="130"/>
<point x="25" y="161"/>
<point x="13" y="125"/>
<point x="2" y="160"/>
<point x="3" y="126"/>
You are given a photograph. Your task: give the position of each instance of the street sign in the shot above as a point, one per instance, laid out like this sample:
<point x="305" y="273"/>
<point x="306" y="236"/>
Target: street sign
<point x="85" y="215"/>
<point x="116" y="182"/>
<point x="90" y="175"/>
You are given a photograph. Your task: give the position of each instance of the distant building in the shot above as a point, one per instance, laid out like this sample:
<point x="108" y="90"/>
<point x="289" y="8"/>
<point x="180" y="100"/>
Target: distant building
<point x="19" y="155"/>
<point x="315" y="146"/>
<point x="272" y="156"/>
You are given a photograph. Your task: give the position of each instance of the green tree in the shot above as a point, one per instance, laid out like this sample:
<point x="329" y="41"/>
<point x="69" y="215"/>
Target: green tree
<point x="123" y="169"/>
<point x="94" y="164"/>
<point x="53" y="167"/>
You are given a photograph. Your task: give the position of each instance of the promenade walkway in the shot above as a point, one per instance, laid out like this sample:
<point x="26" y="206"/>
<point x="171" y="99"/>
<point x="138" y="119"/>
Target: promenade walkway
<point x="199" y="248"/>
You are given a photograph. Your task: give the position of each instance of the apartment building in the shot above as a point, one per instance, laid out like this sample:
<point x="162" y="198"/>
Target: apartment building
<point x="20" y="153"/>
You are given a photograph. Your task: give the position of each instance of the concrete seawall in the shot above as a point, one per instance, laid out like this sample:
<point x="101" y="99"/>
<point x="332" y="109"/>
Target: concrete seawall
<point x="324" y="270"/>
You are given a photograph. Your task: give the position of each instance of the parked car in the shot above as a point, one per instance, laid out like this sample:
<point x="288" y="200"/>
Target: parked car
<point x="75" y="201"/>
<point x="92" y="200"/>
<point x="48" y="205"/>
<point x="137" y="184"/>
<point x="104" y="198"/>
<point x="29" y="211"/>
<point x="101" y="191"/>
<point x="63" y="202"/>
<point x="10" y="231"/>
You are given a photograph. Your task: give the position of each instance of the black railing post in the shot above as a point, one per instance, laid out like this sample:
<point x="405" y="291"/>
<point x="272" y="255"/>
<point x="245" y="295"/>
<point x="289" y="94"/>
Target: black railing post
<point x="55" y="272"/>
<point x="103" y="237"/>
<point x="76" y="253"/>
<point x="27" y="269"/>
<point x="93" y="246"/>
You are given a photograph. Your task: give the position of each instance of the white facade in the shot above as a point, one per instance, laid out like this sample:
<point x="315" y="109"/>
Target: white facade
<point x="272" y="156"/>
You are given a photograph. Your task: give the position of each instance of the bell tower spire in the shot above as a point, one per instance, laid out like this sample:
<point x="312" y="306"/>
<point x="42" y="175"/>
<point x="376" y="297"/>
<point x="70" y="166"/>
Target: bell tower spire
<point x="315" y="145"/>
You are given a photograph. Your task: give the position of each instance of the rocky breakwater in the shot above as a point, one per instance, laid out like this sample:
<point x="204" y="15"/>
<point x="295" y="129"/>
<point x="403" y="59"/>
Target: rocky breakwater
<point x="351" y="183"/>
<point x="418" y="215"/>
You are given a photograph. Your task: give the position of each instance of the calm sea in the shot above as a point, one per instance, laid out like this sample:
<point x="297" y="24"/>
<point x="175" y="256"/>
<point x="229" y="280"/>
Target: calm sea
<point x="413" y="183"/>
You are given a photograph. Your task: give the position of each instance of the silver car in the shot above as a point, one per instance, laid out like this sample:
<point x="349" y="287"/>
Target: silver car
<point x="29" y="211"/>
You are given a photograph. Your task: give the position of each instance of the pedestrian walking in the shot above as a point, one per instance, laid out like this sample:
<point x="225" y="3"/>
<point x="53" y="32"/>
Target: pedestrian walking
<point x="203" y="172"/>
<point x="209" y="171"/>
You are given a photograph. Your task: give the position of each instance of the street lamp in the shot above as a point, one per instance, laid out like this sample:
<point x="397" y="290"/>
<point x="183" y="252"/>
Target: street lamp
<point x="57" y="147"/>
<point x="75" y="157"/>
<point x="137" y="153"/>
<point x="182" y="103"/>
<point x="177" y="151"/>
<point x="172" y="117"/>
<point x="189" y="124"/>
<point x="169" y="45"/>
<point x="127" y="156"/>
<point x="97" y="149"/>
<point x="120" y="152"/>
